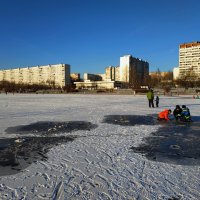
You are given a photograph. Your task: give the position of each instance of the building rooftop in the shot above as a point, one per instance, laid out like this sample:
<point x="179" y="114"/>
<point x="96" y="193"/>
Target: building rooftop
<point x="190" y="44"/>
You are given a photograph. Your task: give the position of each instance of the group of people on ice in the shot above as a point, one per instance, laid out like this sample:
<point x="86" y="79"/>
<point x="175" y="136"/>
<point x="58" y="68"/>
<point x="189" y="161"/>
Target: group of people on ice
<point x="180" y="113"/>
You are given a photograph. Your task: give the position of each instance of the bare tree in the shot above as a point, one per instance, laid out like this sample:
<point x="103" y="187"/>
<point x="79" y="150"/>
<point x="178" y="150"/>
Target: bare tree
<point x="189" y="79"/>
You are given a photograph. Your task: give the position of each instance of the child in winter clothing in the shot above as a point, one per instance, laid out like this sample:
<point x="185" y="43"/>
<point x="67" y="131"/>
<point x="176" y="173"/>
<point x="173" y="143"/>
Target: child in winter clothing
<point x="177" y="112"/>
<point x="185" y="114"/>
<point x="164" y="115"/>
<point x="157" y="101"/>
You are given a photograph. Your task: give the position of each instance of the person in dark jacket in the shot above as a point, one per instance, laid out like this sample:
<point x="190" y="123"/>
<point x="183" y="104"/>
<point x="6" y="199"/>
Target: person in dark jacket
<point x="177" y="112"/>
<point x="157" y="101"/>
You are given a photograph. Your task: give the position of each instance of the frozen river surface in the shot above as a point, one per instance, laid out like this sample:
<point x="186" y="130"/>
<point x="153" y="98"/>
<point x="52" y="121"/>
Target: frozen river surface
<point x="97" y="147"/>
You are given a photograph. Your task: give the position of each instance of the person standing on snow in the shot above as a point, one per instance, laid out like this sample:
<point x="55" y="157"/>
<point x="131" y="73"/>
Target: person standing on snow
<point x="157" y="101"/>
<point x="164" y="115"/>
<point x="150" y="97"/>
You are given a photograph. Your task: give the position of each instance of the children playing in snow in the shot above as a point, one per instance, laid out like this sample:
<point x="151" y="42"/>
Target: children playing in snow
<point x="177" y="112"/>
<point x="182" y="114"/>
<point x="185" y="114"/>
<point x="164" y="115"/>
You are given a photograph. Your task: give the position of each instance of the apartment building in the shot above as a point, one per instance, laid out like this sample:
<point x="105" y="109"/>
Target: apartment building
<point x="134" y="71"/>
<point x="92" y="77"/>
<point x="57" y="75"/>
<point x="189" y="58"/>
<point x="112" y="73"/>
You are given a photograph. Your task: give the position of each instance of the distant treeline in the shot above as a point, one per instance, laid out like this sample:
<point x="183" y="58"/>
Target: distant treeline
<point x="12" y="87"/>
<point x="188" y="80"/>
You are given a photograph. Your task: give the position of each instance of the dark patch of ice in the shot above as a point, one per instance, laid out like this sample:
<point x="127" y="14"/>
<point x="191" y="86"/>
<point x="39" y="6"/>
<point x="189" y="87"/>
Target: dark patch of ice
<point x="45" y="127"/>
<point x="174" y="142"/>
<point x="129" y="120"/>
<point x="176" y="198"/>
<point x="18" y="154"/>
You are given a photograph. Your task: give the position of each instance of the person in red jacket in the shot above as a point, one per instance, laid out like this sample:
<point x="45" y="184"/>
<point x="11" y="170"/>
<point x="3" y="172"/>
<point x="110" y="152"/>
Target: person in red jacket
<point x="164" y="115"/>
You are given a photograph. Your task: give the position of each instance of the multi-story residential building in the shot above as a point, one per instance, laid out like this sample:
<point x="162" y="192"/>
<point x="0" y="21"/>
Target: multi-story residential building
<point x="92" y="77"/>
<point x="110" y="73"/>
<point x="133" y="71"/>
<point x="189" y="58"/>
<point x="57" y="75"/>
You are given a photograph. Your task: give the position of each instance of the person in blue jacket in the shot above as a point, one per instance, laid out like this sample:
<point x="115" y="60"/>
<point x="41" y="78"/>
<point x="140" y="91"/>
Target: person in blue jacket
<point x="185" y="114"/>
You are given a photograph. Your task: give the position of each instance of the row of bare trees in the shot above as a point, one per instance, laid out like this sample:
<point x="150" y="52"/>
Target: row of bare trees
<point x="12" y="87"/>
<point x="188" y="80"/>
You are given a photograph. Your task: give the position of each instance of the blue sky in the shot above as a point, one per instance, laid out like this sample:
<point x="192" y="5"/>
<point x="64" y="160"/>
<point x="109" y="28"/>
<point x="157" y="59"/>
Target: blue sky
<point x="92" y="34"/>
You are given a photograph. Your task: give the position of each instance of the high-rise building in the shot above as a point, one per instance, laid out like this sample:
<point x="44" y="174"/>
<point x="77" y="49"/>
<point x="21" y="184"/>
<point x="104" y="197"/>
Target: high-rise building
<point x="133" y="71"/>
<point x="189" y="58"/>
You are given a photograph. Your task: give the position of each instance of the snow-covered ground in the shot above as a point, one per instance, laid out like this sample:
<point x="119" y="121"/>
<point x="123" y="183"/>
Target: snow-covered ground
<point x="99" y="162"/>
